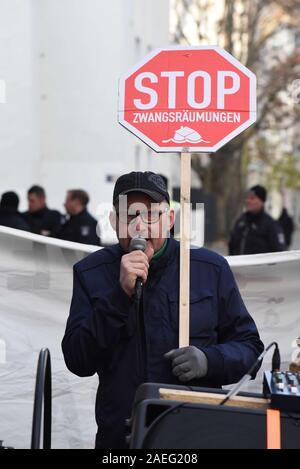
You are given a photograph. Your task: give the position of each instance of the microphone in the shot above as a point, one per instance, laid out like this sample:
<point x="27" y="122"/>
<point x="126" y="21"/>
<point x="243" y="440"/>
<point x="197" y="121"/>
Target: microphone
<point x="138" y="244"/>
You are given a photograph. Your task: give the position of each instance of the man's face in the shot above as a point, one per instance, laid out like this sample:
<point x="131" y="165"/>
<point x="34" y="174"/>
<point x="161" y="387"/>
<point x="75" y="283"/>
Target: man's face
<point x="253" y="203"/>
<point x="35" y="202"/>
<point x="71" y="204"/>
<point x="139" y="215"/>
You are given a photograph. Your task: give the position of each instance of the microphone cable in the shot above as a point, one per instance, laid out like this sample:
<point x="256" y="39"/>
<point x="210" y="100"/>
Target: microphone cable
<point x="248" y="375"/>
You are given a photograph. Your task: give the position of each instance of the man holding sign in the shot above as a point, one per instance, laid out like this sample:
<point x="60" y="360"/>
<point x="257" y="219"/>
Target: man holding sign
<point x="128" y="342"/>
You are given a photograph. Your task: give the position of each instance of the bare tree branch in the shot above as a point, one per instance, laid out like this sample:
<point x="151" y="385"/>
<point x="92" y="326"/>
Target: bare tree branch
<point x="260" y="33"/>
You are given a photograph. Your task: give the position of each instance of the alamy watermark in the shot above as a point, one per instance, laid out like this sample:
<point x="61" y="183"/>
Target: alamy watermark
<point x="138" y="219"/>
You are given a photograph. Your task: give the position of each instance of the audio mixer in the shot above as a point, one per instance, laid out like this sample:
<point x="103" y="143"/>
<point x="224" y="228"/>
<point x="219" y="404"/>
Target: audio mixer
<point x="283" y="389"/>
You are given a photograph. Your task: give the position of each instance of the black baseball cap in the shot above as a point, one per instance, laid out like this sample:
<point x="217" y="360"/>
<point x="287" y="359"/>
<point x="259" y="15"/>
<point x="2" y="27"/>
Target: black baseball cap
<point x="146" y="182"/>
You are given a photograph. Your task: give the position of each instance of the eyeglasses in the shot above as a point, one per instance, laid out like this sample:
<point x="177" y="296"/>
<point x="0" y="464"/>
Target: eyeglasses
<point x="149" y="217"/>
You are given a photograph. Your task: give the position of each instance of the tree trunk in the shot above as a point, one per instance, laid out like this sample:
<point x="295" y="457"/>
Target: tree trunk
<point x="224" y="180"/>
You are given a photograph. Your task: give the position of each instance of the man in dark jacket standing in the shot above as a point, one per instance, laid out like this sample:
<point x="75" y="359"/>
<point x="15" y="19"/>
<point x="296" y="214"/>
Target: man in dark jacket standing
<point x="255" y="231"/>
<point x="287" y="224"/>
<point x="39" y="217"/>
<point x="80" y="227"/>
<point x="128" y="342"/>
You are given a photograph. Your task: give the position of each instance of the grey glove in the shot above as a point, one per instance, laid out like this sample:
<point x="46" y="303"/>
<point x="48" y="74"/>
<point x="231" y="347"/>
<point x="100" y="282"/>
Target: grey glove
<point x="188" y="363"/>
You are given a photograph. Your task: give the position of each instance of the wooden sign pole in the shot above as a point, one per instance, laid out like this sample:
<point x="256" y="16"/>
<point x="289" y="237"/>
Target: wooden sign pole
<point x="185" y="217"/>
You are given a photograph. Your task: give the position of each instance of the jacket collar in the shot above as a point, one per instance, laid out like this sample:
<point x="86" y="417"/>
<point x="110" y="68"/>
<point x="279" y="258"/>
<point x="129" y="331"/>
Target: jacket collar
<point x="78" y="215"/>
<point x="254" y="216"/>
<point x="169" y="254"/>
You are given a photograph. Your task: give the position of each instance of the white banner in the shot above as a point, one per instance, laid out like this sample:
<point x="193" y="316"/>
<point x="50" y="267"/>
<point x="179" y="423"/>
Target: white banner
<point x="35" y="293"/>
<point x="271" y="293"/>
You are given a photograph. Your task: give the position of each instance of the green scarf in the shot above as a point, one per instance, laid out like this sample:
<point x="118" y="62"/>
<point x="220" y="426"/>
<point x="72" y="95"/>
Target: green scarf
<point x="161" y="251"/>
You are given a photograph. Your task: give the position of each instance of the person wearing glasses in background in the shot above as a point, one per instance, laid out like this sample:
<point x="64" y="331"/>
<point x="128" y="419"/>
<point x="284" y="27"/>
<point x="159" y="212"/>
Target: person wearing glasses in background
<point x="127" y="345"/>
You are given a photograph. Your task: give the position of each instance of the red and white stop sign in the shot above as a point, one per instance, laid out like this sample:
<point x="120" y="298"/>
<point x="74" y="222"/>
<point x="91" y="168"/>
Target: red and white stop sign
<point x="191" y="99"/>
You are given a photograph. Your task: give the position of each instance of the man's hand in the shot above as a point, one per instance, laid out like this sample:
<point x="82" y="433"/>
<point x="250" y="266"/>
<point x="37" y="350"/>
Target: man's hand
<point x="134" y="265"/>
<point x="188" y="363"/>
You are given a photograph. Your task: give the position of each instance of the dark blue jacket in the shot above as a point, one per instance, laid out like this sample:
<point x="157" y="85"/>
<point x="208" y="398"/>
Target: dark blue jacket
<point x="43" y="220"/>
<point x="256" y="233"/>
<point x="80" y="228"/>
<point x="104" y="336"/>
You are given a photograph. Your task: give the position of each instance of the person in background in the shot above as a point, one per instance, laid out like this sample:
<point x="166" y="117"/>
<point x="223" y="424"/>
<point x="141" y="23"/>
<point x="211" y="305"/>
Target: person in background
<point x="287" y="225"/>
<point x="80" y="227"/>
<point x="39" y="217"/>
<point x="9" y="215"/>
<point x="255" y="231"/>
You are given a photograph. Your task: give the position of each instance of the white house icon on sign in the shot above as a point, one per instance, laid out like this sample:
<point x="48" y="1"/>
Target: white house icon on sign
<point x="186" y="135"/>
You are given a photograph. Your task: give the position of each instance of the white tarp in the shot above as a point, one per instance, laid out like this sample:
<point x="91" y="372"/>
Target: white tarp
<point x="35" y="292"/>
<point x="271" y="293"/>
